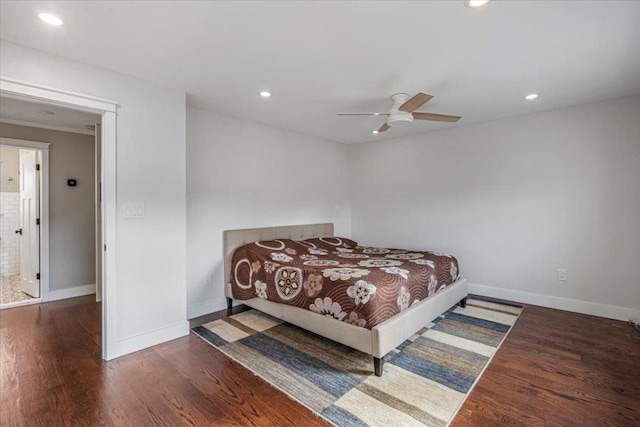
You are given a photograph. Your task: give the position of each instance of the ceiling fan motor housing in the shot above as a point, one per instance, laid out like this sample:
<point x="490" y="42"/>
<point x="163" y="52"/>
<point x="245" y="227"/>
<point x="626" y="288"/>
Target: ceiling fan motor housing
<point x="399" y="119"/>
<point x="396" y="117"/>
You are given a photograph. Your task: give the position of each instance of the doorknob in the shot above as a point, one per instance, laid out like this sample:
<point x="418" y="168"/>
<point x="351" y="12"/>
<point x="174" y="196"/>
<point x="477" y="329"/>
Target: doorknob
<point x="19" y="232"/>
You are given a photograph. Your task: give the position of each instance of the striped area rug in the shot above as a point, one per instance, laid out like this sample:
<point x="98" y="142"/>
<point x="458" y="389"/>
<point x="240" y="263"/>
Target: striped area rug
<point x="425" y="379"/>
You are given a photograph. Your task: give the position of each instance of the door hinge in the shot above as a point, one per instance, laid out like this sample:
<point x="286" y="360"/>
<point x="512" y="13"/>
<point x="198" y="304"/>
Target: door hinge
<point x="37" y="221"/>
<point x="37" y="167"/>
<point x="38" y="276"/>
<point x="105" y="247"/>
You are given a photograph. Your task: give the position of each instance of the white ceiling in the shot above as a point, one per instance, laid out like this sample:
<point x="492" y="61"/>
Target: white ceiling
<point x="33" y="114"/>
<point x="320" y="58"/>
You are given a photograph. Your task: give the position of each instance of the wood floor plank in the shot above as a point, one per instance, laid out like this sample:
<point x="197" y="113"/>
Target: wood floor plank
<point x="9" y="383"/>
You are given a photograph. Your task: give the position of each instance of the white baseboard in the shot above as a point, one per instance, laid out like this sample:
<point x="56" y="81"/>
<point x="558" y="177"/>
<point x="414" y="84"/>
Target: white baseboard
<point x="200" y="309"/>
<point x="148" y="339"/>
<point x="76" y="291"/>
<point x="574" y="305"/>
<point x="20" y="303"/>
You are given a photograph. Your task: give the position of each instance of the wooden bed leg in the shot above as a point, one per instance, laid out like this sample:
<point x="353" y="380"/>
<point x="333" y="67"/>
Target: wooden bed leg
<point x="463" y="302"/>
<point x="377" y="366"/>
<point x="229" y="303"/>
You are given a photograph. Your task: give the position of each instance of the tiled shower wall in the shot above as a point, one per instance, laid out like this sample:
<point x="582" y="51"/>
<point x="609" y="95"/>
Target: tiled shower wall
<point x="9" y="240"/>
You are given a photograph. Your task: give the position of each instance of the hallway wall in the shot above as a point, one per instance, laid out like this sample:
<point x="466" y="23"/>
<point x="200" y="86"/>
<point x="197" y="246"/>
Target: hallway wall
<point x="71" y="209"/>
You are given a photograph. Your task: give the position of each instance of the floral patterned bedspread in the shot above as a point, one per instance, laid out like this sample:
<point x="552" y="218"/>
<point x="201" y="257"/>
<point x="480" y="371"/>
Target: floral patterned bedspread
<point x="336" y="277"/>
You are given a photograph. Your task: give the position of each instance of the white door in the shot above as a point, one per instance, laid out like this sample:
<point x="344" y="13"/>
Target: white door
<point x="30" y="238"/>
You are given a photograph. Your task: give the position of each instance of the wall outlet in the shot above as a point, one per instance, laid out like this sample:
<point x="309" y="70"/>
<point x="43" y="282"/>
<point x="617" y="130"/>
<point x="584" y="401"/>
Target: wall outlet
<point x="562" y="275"/>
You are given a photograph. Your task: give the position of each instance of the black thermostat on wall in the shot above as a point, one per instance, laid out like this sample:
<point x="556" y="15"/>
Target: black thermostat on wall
<point x="71" y="182"/>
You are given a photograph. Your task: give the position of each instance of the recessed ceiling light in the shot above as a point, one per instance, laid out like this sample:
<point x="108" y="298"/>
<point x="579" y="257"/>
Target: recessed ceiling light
<point x="531" y="96"/>
<point x="50" y="19"/>
<point x="375" y="132"/>
<point x="475" y="3"/>
<point x="265" y="94"/>
<point x="46" y="112"/>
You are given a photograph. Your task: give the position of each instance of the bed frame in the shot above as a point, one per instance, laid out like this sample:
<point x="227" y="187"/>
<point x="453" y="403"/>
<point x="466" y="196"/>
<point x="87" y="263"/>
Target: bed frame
<point x="377" y="341"/>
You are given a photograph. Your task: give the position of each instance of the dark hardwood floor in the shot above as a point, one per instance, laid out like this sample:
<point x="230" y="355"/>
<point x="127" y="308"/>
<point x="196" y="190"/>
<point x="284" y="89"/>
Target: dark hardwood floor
<point x="558" y="368"/>
<point x="555" y="368"/>
<point x="52" y="373"/>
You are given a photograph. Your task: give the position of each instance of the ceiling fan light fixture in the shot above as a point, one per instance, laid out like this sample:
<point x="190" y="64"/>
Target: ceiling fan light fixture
<point x="475" y="3"/>
<point x="50" y="19"/>
<point x="375" y="132"/>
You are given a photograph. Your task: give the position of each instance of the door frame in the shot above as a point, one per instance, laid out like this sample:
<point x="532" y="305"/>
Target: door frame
<point x="43" y="201"/>
<point x="30" y="92"/>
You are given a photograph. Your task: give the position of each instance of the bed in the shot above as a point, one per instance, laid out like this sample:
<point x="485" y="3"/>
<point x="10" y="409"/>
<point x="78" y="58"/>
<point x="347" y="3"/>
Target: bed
<point x="379" y="337"/>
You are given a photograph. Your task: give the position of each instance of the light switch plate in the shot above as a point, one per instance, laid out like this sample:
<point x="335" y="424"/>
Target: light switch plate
<point x="134" y="211"/>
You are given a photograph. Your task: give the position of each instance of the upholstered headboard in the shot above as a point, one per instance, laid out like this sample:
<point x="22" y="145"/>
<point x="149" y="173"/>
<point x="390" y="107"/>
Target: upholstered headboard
<point x="235" y="238"/>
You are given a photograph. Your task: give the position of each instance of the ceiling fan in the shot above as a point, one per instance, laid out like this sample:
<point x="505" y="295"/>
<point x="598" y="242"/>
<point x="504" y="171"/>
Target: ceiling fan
<point x="403" y="112"/>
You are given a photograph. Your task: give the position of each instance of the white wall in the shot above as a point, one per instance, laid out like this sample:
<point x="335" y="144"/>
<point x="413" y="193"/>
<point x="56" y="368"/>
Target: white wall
<point x="242" y="174"/>
<point x="150" y="292"/>
<point x="515" y="200"/>
<point x="71" y="209"/>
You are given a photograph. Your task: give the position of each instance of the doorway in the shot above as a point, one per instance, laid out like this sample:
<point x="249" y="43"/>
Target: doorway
<point x="106" y="110"/>
<point x="72" y="183"/>
<point x="20" y="202"/>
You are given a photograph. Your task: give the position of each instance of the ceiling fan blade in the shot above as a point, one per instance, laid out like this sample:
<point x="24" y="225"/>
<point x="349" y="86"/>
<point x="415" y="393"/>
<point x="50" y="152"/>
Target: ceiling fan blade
<point x="418" y="100"/>
<point x="384" y="128"/>
<point x="435" y="117"/>
<point x="362" y="114"/>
